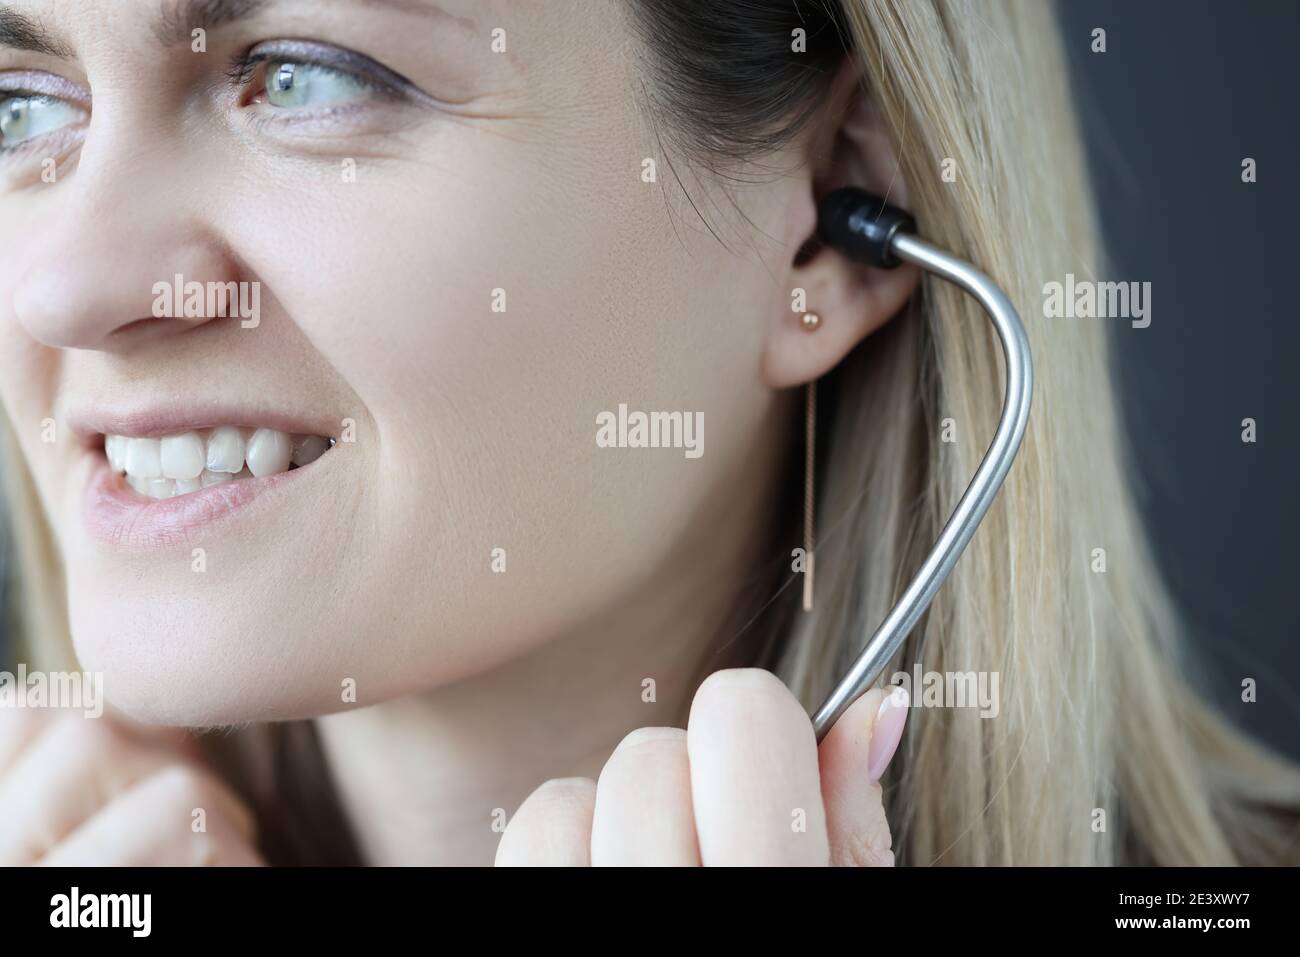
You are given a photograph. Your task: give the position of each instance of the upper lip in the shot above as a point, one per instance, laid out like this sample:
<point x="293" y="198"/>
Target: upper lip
<point x="150" y="420"/>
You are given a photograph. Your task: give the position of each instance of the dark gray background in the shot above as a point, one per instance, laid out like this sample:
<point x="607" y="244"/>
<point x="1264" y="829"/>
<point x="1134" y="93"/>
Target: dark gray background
<point x="1184" y="92"/>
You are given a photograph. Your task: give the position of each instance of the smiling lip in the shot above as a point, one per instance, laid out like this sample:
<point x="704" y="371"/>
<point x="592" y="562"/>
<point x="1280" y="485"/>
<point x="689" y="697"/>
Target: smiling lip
<point x="117" y="515"/>
<point x="92" y="423"/>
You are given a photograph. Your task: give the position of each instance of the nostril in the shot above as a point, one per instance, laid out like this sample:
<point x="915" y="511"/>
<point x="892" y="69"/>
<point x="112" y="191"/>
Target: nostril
<point x="132" y="327"/>
<point x="149" y="327"/>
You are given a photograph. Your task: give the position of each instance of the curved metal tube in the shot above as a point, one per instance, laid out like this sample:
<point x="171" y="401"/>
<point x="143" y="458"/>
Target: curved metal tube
<point x="975" y="501"/>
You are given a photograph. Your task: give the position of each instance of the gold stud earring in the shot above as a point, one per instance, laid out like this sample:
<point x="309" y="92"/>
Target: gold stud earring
<point x="811" y="321"/>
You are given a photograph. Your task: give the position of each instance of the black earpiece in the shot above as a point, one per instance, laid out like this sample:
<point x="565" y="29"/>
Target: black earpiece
<point x="862" y="226"/>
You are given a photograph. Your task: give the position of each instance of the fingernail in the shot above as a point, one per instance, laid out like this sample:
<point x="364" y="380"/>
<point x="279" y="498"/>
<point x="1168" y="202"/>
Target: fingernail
<point x="888" y="731"/>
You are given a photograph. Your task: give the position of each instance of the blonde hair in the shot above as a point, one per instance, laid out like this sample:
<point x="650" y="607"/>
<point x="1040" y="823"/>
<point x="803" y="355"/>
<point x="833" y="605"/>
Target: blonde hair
<point x="37" y="620"/>
<point x="1096" y="711"/>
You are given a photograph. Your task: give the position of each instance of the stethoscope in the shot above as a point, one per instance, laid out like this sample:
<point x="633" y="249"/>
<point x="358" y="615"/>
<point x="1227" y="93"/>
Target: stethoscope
<point x="865" y="229"/>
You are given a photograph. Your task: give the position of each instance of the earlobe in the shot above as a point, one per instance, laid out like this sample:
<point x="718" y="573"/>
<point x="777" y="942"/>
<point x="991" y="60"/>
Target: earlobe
<point x="851" y="300"/>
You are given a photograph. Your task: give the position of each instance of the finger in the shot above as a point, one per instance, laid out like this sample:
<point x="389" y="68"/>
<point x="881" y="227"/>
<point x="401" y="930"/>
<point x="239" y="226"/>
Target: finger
<point x="643" y="814"/>
<point x="71" y="771"/>
<point x="754" y="779"/>
<point x="19" y="729"/>
<point x="853" y="756"/>
<point x="552" y="828"/>
<point x="154" y="824"/>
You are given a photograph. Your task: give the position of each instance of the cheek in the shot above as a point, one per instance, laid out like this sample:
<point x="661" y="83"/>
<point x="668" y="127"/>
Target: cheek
<point x="482" y="348"/>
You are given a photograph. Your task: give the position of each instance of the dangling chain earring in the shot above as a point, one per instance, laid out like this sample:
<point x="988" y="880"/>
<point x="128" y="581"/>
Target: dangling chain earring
<point x="809" y="484"/>
<point x="811" y="323"/>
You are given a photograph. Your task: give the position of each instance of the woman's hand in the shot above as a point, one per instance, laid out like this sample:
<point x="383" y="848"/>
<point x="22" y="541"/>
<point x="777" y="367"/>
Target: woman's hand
<point x="76" y="790"/>
<point x="745" y="784"/>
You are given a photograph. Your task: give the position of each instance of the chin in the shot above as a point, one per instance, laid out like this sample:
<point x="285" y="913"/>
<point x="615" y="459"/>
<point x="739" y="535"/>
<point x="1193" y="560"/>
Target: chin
<point x="204" y="663"/>
<point x="219" y="659"/>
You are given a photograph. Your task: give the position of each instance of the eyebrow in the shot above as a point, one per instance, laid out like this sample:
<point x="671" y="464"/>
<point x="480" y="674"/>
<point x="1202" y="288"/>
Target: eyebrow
<point x="178" y="20"/>
<point x="22" y="32"/>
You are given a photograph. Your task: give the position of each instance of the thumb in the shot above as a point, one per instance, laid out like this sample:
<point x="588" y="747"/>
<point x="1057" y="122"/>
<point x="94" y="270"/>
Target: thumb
<point x="852" y="758"/>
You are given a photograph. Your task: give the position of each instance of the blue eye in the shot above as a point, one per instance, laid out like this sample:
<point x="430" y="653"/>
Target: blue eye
<point x="291" y="85"/>
<point x="28" y="116"/>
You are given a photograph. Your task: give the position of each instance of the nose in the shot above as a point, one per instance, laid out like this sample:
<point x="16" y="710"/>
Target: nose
<point x="94" y="276"/>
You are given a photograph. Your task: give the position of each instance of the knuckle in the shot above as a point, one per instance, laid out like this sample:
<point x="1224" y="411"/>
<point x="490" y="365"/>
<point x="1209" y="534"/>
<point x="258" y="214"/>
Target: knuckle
<point x="742" y="690"/>
<point x="562" y="794"/>
<point x="741" y="679"/>
<point x="18" y="724"/>
<point x="177" y="792"/>
<point x="556" y="802"/>
<point x="863" y="854"/>
<point x="551" y="825"/>
<point x="651" y="738"/>
<point x="84" y="737"/>
<point x="871" y="846"/>
<point x="179" y="786"/>
<point x="204" y="849"/>
<point x="89" y="744"/>
<point x="645" y="752"/>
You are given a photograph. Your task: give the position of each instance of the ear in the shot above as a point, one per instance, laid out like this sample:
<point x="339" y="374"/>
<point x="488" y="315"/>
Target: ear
<point x="852" y="300"/>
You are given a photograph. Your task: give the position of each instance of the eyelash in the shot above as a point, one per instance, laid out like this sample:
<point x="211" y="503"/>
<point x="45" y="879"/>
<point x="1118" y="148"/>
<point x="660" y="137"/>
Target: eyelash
<point x="18" y="93"/>
<point x="244" y="69"/>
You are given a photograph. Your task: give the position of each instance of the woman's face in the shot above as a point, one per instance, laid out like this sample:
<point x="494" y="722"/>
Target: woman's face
<point x="455" y="274"/>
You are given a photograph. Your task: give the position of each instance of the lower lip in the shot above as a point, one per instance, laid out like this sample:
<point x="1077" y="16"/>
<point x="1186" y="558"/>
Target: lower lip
<point x="117" y="515"/>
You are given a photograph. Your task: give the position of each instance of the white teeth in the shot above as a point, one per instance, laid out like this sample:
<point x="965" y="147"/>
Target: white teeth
<point x="226" y="450"/>
<point x="182" y="456"/>
<point x="115" y="449"/>
<point x="308" y="448"/>
<point x="143" y="458"/>
<point x="190" y="461"/>
<point x="160" y="488"/>
<point x="269" y="452"/>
